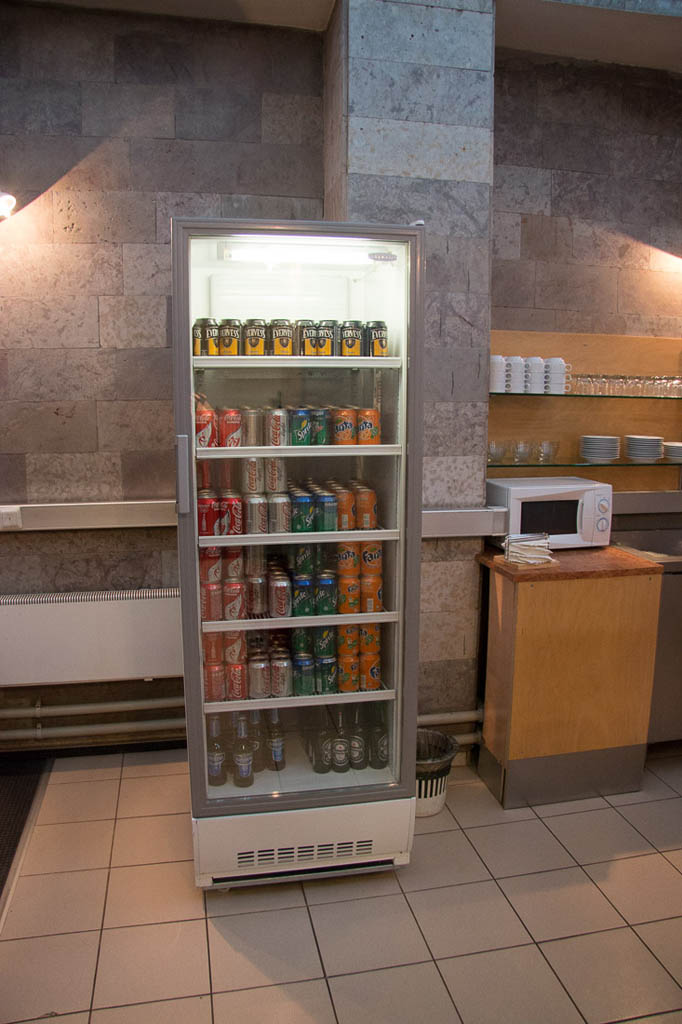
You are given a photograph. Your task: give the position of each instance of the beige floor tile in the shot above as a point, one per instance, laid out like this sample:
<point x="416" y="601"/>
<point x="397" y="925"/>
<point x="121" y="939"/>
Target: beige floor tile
<point x="661" y="1018"/>
<point x="40" y="977"/>
<point x="640" y="888"/>
<point x="159" y="961"/>
<point x="78" y="801"/>
<point x="159" y="794"/>
<point x="71" y="901"/>
<point x="598" y="836"/>
<point x="444" y="858"/>
<point x="151" y="893"/>
<point x="660" y="821"/>
<point x="153" y="840"/>
<point x="362" y="935"/>
<point x="332" y="890"/>
<point x="474" y="805"/>
<point x="669" y="769"/>
<point x="462" y="773"/>
<point x="68" y="1018"/>
<point x="555" y="904"/>
<point x="86" y="768"/>
<point x="76" y="846"/>
<point x="592" y="803"/>
<point x="306" y="1002"/>
<point x="397" y="995"/>
<point x="441" y="822"/>
<point x="519" y="848"/>
<point x="653" y="788"/>
<point x="196" y="1010"/>
<point x="612" y="975"/>
<point x="254" y="899"/>
<point x="140" y="763"/>
<point x="675" y="858"/>
<point x="508" y="986"/>
<point x="466" y="919"/>
<point x="664" y="939"/>
<point x="271" y="948"/>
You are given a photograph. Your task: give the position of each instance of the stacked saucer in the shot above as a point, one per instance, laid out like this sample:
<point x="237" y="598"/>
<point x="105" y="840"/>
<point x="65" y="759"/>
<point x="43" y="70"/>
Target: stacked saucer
<point x="673" y="450"/>
<point x="643" y="447"/>
<point x="599" y="447"/>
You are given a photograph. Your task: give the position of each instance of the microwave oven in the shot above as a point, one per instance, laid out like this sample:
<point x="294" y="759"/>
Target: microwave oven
<point x="575" y="513"/>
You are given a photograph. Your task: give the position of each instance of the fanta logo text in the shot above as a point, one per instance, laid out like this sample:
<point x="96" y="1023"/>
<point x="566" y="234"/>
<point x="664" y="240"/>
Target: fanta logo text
<point x="343" y="426"/>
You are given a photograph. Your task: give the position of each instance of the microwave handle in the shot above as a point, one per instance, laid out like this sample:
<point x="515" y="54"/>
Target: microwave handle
<point x="581" y="511"/>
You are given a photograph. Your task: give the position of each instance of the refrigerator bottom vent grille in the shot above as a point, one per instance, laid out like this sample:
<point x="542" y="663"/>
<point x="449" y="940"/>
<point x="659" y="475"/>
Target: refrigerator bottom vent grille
<point x="292" y="854"/>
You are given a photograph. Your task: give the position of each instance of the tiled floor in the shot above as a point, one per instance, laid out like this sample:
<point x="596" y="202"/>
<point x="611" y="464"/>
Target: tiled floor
<point x="544" y="915"/>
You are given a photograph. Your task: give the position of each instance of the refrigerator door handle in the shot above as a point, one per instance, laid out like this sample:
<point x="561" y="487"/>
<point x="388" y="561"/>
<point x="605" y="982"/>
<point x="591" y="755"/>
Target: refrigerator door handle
<point x="182" y="468"/>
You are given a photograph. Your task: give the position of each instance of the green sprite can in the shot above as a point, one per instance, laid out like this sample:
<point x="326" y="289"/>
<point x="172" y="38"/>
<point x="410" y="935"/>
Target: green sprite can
<point x="325" y="594"/>
<point x="303" y="596"/>
<point x="320" y="431"/>
<point x="326" y="680"/>
<point x="303" y="561"/>
<point x="324" y="641"/>
<point x="304" y="675"/>
<point x="300" y="426"/>
<point x="302" y="513"/>
<point x="326" y="512"/>
<point x="320" y="557"/>
<point x="302" y="641"/>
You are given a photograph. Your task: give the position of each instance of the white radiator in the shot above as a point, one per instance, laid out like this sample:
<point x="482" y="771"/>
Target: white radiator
<point x="97" y="636"/>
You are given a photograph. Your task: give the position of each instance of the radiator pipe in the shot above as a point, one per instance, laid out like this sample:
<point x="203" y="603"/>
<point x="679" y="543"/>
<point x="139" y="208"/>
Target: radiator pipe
<point x="467" y="739"/>
<point x="450" y="717"/>
<point x="96" y="708"/>
<point x="37" y="733"/>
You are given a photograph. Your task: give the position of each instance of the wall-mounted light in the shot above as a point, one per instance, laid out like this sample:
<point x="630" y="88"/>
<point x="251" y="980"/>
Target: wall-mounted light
<point x="7" y="204"/>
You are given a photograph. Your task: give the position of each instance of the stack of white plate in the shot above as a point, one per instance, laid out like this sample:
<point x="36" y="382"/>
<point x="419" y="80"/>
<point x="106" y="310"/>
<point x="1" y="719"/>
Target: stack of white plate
<point x="643" y="447"/>
<point x="673" y="450"/>
<point x="599" y="447"/>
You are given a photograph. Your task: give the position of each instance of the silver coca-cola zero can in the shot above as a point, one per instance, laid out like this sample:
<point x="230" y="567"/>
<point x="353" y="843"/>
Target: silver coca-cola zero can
<point x="276" y="427"/>
<point x="253" y="476"/>
<point x="259" y="678"/>
<point x="281" y="676"/>
<point x="254" y="560"/>
<point x="234" y="645"/>
<point x="211" y="601"/>
<point x="234" y="599"/>
<point x="214" y="682"/>
<point x="233" y="563"/>
<point x="279" y="513"/>
<point x="236" y="681"/>
<point x="279" y="597"/>
<point x="256" y="513"/>
<point x="256" y="596"/>
<point x="252" y="428"/>
<point x="275" y="475"/>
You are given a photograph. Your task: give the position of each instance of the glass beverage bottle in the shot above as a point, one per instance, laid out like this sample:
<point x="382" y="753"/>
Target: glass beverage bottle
<point x="243" y="755"/>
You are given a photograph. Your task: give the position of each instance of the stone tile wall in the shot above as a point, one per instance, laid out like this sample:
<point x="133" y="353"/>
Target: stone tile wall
<point x="588" y="198"/>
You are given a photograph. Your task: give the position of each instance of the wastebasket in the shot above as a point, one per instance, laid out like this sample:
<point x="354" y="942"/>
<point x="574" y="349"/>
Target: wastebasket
<point x="435" y="752"/>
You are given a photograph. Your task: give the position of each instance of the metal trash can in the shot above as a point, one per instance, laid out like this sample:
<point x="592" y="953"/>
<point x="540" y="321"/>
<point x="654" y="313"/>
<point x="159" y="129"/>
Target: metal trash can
<point x="435" y="752"/>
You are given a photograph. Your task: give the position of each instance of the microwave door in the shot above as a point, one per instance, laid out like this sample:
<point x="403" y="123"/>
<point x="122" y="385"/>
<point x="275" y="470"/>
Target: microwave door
<point x="556" y="516"/>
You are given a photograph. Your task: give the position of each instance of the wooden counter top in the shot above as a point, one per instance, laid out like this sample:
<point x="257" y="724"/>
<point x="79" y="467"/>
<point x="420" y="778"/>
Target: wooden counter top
<point x="581" y="563"/>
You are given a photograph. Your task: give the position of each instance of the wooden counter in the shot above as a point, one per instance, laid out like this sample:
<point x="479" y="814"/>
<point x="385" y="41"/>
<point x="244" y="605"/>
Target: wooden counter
<point x="581" y="563"/>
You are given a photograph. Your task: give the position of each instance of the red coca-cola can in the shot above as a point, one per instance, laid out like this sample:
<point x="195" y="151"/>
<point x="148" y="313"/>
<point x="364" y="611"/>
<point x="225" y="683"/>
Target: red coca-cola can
<point x="233" y="563"/>
<point x="212" y="646"/>
<point x="236" y="681"/>
<point x="204" y="481"/>
<point x="225" y="475"/>
<point x="231" y="513"/>
<point x="234" y="645"/>
<point x="229" y="428"/>
<point x="234" y="599"/>
<point x="214" y="682"/>
<point x="205" y="426"/>
<point x="211" y="601"/>
<point x="208" y="514"/>
<point x="210" y="565"/>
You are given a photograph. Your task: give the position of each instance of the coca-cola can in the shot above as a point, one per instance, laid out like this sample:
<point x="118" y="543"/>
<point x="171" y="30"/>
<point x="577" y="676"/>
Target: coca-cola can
<point x="211" y="565"/>
<point x="260" y="685"/>
<point x="279" y="597"/>
<point x="253" y="476"/>
<point x="211" y="601"/>
<point x="229" y="428"/>
<point x="214" y="682"/>
<point x="231" y="513"/>
<point x="225" y="474"/>
<point x="204" y="481"/>
<point x="275" y="475"/>
<point x="281" y="676"/>
<point x="279" y="513"/>
<point x="208" y="514"/>
<point x="254" y="560"/>
<point x="236" y="681"/>
<point x="252" y="428"/>
<point x="206" y="434"/>
<point x="233" y="563"/>
<point x="276" y="427"/>
<point x="234" y="599"/>
<point x="256" y="596"/>
<point x="212" y="646"/>
<point x="256" y="513"/>
<point x="234" y="645"/>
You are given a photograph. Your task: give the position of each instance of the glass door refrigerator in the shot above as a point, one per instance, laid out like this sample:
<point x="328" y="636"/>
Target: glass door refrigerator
<point x="298" y="415"/>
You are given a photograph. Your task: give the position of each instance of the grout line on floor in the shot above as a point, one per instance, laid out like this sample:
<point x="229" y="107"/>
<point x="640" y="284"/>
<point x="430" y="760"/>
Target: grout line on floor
<point x="106" y="897"/>
<point x="319" y="952"/>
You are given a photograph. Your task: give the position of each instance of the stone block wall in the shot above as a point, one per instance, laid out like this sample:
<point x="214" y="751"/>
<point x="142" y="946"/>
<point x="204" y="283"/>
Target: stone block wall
<point x="588" y="198"/>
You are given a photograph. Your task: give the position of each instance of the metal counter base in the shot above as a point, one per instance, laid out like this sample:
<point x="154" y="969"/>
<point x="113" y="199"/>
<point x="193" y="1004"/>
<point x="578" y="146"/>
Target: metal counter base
<point x="547" y="780"/>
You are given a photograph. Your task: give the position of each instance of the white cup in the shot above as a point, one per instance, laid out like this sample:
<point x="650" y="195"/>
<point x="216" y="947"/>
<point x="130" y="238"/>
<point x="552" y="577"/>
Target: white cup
<point x="535" y="364"/>
<point x="535" y="387"/>
<point x="556" y="363"/>
<point x="516" y="361"/>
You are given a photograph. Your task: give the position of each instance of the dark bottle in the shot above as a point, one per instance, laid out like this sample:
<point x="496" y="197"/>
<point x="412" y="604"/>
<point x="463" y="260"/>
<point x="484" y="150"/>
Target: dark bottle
<point x="378" y="739"/>
<point x="216" y="762"/>
<point x="276" y="759"/>
<point x="359" y="739"/>
<point x="322" y="746"/>
<point x="257" y="737"/>
<point x="242" y="756"/>
<point x="340" y="744"/>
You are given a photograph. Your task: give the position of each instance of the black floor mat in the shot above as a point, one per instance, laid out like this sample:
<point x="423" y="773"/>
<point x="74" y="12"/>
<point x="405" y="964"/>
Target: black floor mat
<point x="19" y="780"/>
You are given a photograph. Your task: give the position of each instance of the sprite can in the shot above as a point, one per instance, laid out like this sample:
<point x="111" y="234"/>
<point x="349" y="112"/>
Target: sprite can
<point x="300" y="425"/>
<point x="304" y="675"/>
<point x="324" y="641"/>
<point x="326" y="507"/>
<point x="319" y="423"/>
<point x="320" y="557"/>
<point x="303" y="561"/>
<point x="302" y="513"/>
<point x="325" y="594"/>
<point x="301" y="641"/>
<point x="303" y="596"/>
<point x="326" y="675"/>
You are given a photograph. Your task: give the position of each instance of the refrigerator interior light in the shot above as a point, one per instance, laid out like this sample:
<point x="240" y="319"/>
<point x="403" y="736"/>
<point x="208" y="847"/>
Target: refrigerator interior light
<point x="7" y="204"/>
<point x="318" y="255"/>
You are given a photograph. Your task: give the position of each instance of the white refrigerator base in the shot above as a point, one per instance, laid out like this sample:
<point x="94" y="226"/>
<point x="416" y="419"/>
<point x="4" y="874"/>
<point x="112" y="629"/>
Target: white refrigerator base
<point x="317" y="842"/>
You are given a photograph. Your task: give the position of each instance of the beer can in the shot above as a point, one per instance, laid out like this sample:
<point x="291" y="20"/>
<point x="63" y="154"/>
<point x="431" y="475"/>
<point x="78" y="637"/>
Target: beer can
<point x="276" y="424"/>
<point x="256" y="596"/>
<point x="302" y="640"/>
<point x="254" y="560"/>
<point x="205" y="425"/>
<point x="256" y="644"/>
<point x="320" y="427"/>
<point x="348" y="602"/>
<point x="280" y="338"/>
<point x="326" y="680"/>
<point x="304" y="675"/>
<point x="234" y="599"/>
<point x="211" y="601"/>
<point x="255" y="513"/>
<point x="225" y="474"/>
<point x="208" y="514"/>
<point x="196" y="338"/>
<point x="234" y="646"/>
<point x="254" y="337"/>
<point x="366" y="509"/>
<point x="214" y="682"/>
<point x="325" y="594"/>
<point x="370" y="638"/>
<point x="230" y="337"/>
<point x="229" y="428"/>
<point x="345" y="504"/>
<point x="371" y="593"/>
<point x="279" y="513"/>
<point x="377" y="338"/>
<point x="275" y="475"/>
<point x="253" y="476"/>
<point x="302" y="513"/>
<point x="204" y="481"/>
<point x="351" y="338"/>
<point x="324" y="641"/>
<point x="369" y="426"/>
<point x="371" y="558"/>
<point x="300" y="427"/>
<point x="326" y="512"/>
<point x="233" y="563"/>
<point x="305" y="338"/>
<point x="327" y="337"/>
<point x="370" y="671"/>
<point x="302" y="559"/>
<point x="211" y="565"/>
<point x="236" y="681"/>
<point x="260" y="685"/>
<point x="205" y="337"/>
<point x="347" y="640"/>
<point x="231" y="514"/>
<point x="279" y="597"/>
<point x="212" y="647"/>
<point x="303" y="596"/>
<point x="345" y="426"/>
<point x="348" y="673"/>
<point x="252" y="428"/>
<point x="348" y="559"/>
<point x="281" y="676"/>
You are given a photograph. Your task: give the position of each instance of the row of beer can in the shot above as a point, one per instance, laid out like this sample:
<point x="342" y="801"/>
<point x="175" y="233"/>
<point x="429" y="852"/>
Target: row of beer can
<point x="279" y="427"/>
<point x="283" y="337"/>
<point x="345" y="559"/>
<point x="279" y="596"/>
